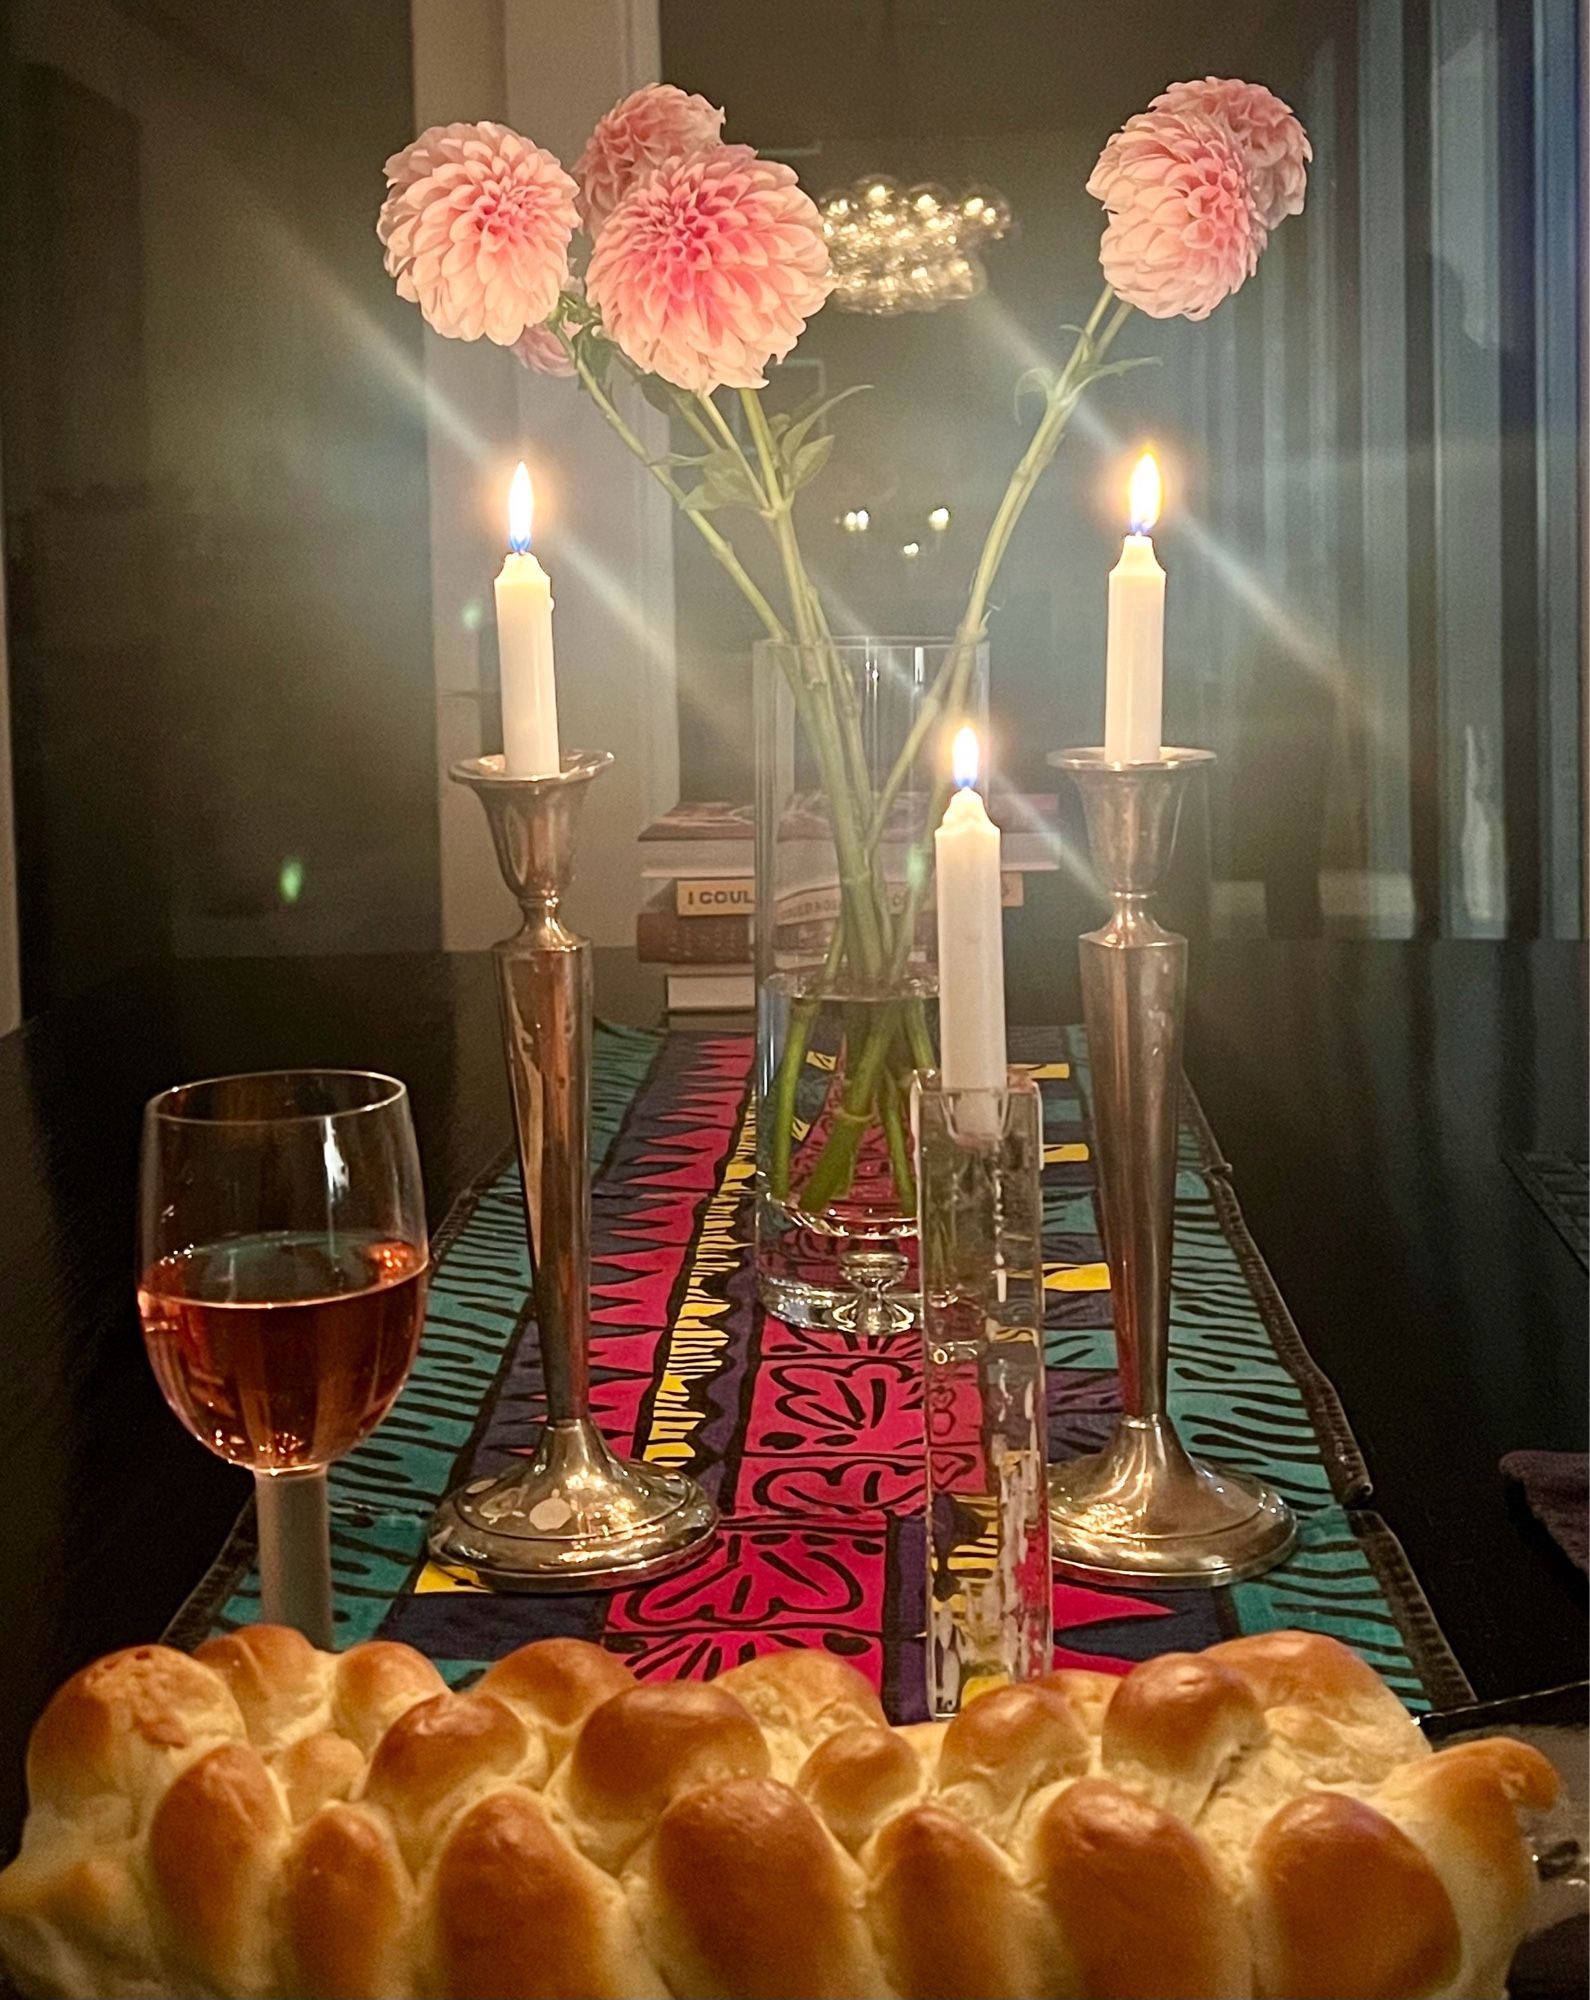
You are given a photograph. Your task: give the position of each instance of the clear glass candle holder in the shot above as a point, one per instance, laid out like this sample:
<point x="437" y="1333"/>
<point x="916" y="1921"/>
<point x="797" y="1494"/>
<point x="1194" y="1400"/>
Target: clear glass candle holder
<point x="979" y="1155"/>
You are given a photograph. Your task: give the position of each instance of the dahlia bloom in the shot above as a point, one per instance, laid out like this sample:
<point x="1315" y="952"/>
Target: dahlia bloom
<point x="651" y="126"/>
<point x="710" y="269"/>
<point x="1268" y="132"/>
<point x="476" y="225"/>
<point x="539" y="348"/>
<point x="1184" y="229"/>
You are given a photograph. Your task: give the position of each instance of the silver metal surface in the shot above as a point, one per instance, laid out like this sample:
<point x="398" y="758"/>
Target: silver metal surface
<point x="575" y="1516"/>
<point x="1142" y="1507"/>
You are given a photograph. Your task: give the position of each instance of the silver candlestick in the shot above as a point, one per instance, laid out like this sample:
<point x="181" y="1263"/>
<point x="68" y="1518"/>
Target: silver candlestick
<point x="575" y="1516"/>
<point x="1143" y="1509"/>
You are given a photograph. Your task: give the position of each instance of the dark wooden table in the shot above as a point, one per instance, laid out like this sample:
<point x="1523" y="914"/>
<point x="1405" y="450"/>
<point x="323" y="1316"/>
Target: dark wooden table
<point x="1363" y="1093"/>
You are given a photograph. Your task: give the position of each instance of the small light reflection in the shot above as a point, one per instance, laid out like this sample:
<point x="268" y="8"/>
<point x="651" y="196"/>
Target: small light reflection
<point x="290" y="882"/>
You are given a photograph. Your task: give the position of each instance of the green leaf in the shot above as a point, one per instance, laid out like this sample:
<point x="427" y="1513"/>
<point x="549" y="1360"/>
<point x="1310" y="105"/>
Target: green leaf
<point x="1123" y="367"/>
<point x="658" y="393"/>
<point x="809" y="460"/>
<point x="728" y="482"/>
<point x="699" y="500"/>
<point x="813" y="412"/>
<point x="1040" y="379"/>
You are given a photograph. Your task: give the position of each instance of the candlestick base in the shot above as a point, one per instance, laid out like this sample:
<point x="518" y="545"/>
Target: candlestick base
<point x="574" y="1516"/>
<point x="1143" y="1508"/>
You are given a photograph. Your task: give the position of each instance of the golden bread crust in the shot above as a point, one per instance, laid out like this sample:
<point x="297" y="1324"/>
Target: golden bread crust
<point x="346" y="1900"/>
<point x="520" y="1916"/>
<point x="950" y="1919"/>
<point x="556" y="1683"/>
<point x="213" y="1849"/>
<point x="751" y="1899"/>
<point x="271" y="1823"/>
<point x="857" y="1777"/>
<point x="1140" y="1908"/>
<point x="125" y="1725"/>
<point x="1324" y="1856"/>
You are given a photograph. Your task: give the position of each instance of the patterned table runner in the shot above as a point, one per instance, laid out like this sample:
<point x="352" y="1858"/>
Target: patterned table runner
<point x="813" y="1447"/>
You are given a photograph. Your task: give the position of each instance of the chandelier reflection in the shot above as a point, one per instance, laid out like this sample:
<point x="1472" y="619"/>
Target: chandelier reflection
<point x="914" y="249"/>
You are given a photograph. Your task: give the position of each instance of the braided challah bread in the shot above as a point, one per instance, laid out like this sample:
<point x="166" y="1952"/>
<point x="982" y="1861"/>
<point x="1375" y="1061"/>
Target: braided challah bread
<point x="264" y="1819"/>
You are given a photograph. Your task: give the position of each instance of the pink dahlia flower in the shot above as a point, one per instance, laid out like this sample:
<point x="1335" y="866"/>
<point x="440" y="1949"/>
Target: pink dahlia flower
<point x="710" y="269"/>
<point x="539" y="348"/>
<point x="651" y="126"/>
<point x="1184" y="229"/>
<point x="476" y="225"/>
<point x="1277" y="147"/>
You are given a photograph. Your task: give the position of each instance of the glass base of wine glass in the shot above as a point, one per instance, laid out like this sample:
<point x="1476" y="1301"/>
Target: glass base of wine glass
<point x="575" y="1517"/>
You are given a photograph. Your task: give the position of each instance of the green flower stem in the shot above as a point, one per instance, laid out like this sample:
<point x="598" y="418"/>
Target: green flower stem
<point x="792" y="1060"/>
<point x="949" y="687"/>
<point x="685" y="405"/>
<point x="899" y="1149"/>
<point x="835" y="1167"/>
<point x="855" y="869"/>
<point x="918" y="1040"/>
<point x="718" y="543"/>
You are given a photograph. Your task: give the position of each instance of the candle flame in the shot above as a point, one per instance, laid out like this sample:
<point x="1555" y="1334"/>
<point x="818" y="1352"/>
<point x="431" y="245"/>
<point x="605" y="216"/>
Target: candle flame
<point x="521" y="510"/>
<point x="1146" y="494"/>
<point x="964" y="758"/>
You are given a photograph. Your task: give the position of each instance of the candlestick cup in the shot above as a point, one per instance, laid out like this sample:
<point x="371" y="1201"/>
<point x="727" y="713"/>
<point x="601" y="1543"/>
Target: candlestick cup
<point x="575" y="1515"/>
<point x="1143" y="1508"/>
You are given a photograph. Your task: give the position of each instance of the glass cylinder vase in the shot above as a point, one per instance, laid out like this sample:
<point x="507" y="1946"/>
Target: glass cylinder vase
<point x="990" y="1609"/>
<point x="852" y="767"/>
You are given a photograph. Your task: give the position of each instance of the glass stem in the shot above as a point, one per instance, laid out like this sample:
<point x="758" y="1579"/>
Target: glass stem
<point x="293" y="1514"/>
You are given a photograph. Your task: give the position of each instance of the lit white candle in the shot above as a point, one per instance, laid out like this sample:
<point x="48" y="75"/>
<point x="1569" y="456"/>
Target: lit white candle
<point x="971" y="935"/>
<point x="524" y="647"/>
<point x="1134" y="672"/>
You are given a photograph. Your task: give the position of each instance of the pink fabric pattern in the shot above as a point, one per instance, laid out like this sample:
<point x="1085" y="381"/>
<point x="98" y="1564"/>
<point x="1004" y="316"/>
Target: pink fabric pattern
<point x="1274" y="143"/>
<point x="476" y="226"/>
<point x="653" y="125"/>
<point x="710" y="269"/>
<point x="1184" y="229"/>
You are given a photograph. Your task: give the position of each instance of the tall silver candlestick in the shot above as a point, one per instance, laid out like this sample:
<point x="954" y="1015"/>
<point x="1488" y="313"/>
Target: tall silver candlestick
<point x="1143" y="1509"/>
<point x="575" y="1516"/>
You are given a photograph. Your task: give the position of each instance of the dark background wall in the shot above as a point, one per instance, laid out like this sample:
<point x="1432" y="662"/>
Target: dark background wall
<point x="214" y="486"/>
<point x="212" y="453"/>
<point x="1373" y="526"/>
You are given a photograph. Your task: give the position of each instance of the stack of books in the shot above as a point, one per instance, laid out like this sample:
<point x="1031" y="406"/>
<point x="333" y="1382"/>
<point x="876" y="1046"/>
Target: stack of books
<point x="696" y="922"/>
<point x="699" y="917"/>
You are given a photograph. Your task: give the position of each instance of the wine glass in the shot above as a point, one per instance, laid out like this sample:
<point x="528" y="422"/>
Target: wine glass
<point x="282" y="1263"/>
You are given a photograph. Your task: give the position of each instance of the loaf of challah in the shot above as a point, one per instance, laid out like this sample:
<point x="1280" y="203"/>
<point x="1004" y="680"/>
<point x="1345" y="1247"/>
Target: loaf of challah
<point x="263" y="1819"/>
